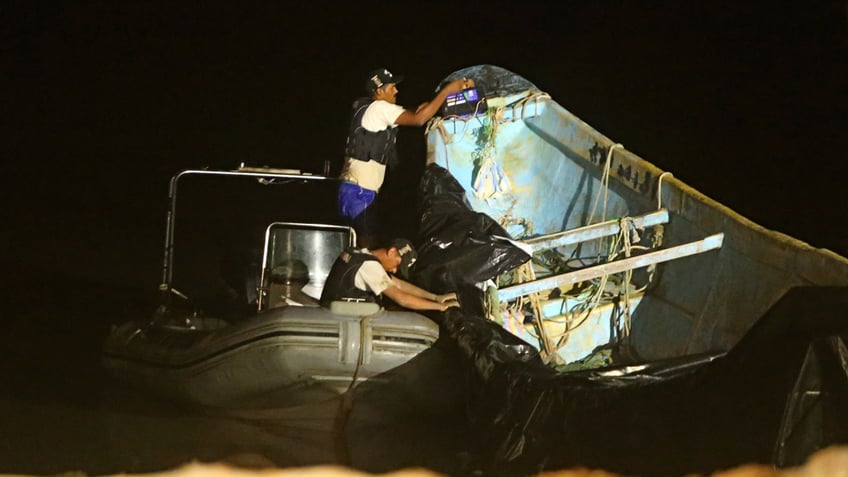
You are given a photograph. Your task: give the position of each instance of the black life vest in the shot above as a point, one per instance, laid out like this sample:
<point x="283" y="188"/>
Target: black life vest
<point x="340" y="284"/>
<point x="365" y="145"/>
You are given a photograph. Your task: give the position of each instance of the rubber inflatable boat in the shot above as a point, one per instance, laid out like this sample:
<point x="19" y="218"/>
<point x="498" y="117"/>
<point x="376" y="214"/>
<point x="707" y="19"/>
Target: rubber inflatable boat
<point x="239" y="319"/>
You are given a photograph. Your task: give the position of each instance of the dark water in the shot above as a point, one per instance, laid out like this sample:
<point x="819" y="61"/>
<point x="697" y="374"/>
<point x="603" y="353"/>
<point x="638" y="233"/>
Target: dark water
<point x="59" y="412"/>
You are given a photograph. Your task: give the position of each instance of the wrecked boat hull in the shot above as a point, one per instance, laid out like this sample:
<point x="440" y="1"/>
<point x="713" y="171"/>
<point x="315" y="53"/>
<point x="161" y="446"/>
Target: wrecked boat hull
<point x="733" y="353"/>
<point x="538" y="170"/>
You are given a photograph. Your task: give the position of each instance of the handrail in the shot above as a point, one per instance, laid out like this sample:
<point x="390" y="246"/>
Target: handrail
<point x="259" y="173"/>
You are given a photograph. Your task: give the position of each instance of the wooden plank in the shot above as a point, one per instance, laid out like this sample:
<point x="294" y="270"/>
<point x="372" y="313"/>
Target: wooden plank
<point x="594" y="231"/>
<point x="709" y="243"/>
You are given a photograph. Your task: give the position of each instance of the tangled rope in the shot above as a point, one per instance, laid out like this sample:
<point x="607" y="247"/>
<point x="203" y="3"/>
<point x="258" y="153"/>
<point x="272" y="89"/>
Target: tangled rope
<point x="496" y="116"/>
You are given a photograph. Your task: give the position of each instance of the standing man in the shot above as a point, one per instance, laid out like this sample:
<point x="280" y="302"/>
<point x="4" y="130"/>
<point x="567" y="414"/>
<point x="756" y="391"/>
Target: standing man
<point x="363" y="275"/>
<point x="371" y="145"/>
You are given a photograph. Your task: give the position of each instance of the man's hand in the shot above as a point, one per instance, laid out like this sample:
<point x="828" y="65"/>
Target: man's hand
<point x="425" y="111"/>
<point x="446" y="297"/>
<point x="456" y="86"/>
<point x="448" y="300"/>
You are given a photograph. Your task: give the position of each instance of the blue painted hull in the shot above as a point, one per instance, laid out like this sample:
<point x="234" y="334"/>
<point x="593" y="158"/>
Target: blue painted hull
<point x="537" y="169"/>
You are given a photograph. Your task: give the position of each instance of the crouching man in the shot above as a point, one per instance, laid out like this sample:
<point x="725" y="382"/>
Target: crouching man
<point x="364" y="275"/>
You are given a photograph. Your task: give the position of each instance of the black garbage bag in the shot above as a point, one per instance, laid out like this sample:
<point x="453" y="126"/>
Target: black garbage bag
<point x="458" y="248"/>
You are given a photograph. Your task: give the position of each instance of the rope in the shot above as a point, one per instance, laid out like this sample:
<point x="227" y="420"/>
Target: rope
<point x="360" y="358"/>
<point x="622" y="243"/>
<point x="526" y="273"/>
<point x="625" y="225"/>
<point x="523" y="103"/>
<point x="437" y="124"/>
<point x="496" y="116"/>
<point x="659" y="188"/>
<point x="596" y="299"/>
<point x="595" y="295"/>
<point x="604" y="190"/>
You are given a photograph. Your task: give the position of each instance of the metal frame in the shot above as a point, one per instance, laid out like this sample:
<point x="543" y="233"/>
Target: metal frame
<point x="267" y="174"/>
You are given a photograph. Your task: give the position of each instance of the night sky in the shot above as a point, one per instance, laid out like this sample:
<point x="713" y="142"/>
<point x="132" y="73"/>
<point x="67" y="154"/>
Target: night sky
<point x="102" y="101"/>
<point x="745" y="101"/>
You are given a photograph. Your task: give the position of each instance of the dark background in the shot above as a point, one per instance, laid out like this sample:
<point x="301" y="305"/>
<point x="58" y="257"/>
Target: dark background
<point x="745" y="101"/>
<point x="103" y="101"/>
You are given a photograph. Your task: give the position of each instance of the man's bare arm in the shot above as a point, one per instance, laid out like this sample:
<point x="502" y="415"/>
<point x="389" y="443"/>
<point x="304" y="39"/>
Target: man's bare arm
<point x="420" y="292"/>
<point x="425" y="111"/>
<point x="410" y="296"/>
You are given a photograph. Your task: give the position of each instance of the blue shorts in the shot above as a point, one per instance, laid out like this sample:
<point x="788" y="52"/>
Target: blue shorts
<point x="354" y="199"/>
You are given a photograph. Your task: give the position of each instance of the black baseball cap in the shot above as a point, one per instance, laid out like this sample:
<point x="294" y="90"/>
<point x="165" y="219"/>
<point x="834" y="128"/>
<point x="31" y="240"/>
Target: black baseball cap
<point x="379" y="77"/>
<point x="407" y="255"/>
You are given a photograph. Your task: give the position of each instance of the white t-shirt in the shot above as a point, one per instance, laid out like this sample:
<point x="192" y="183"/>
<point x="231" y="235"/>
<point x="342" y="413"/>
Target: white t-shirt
<point x="370" y="175"/>
<point x="372" y="277"/>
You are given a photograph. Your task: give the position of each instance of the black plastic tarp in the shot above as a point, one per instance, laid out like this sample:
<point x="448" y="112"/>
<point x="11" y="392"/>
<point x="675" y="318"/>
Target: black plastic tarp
<point x="479" y="403"/>
<point x="458" y="248"/>
<point x="775" y="398"/>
